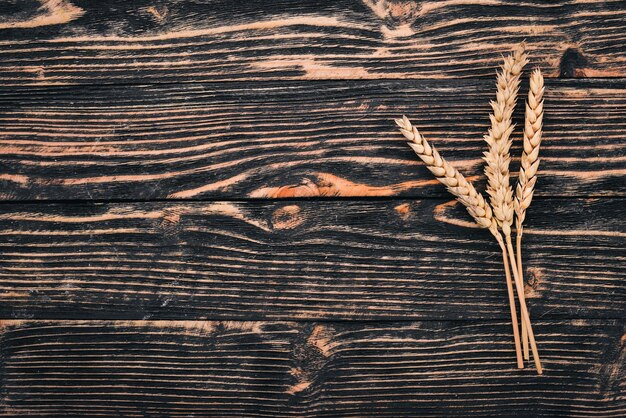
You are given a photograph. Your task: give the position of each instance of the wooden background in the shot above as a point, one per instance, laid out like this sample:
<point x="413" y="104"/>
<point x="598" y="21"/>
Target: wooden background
<point x="207" y="210"/>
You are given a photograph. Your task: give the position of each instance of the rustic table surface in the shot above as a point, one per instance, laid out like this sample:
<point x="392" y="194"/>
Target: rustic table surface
<point x="206" y="210"/>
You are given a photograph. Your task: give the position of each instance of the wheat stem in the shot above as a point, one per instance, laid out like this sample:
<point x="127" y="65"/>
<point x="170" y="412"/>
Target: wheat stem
<point x="509" y="288"/>
<point x="522" y="301"/>
<point x="470" y="198"/>
<point x="529" y="166"/>
<point x="518" y="246"/>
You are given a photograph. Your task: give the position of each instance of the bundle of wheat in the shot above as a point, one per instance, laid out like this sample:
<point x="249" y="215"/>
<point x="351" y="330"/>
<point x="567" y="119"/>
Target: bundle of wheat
<point x="504" y="207"/>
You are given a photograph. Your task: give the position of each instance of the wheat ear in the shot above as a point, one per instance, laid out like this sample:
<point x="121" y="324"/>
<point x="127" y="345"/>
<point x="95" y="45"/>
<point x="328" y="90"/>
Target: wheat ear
<point x="499" y="138"/>
<point x="473" y="201"/>
<point x="528" y="167"/>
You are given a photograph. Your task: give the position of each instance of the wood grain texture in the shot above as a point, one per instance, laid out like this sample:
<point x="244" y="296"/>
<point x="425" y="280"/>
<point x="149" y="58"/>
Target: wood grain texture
<point x="68" y="41"/>
<point x="281" y="369"/>
<point x="298" y="139"/>
<point x="304" y="260"/>
<point x="192" y="290"/>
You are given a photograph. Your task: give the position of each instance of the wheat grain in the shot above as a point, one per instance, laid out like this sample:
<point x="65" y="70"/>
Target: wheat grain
<point x="528" y="168"/>
<point x="473" y="201"/>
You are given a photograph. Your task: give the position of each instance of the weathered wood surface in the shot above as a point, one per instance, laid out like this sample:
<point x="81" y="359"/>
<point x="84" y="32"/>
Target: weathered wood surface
<point x="59" y="42"/>
<point x="269" y="140"/>
<point x="144" y="128"/>
<point x="331" y="369"/>
<point x="305" y="260"/>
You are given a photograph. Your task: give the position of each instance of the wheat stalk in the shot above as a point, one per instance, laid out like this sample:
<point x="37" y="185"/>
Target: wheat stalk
<point x="498" y="159"/>
<point x="473" y="201"/>
<point x="528" y="167"/>
<point x="499" y="142"/>
<point x="519" y="286"/>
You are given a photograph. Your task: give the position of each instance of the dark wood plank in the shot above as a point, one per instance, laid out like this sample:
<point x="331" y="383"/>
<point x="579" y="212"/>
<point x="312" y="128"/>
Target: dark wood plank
<point x="324" y="259"/>
<point x="265" y="140"/>
<point x="270" y="369"/>
<point x="70" y="41"/>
